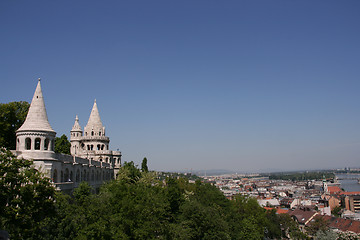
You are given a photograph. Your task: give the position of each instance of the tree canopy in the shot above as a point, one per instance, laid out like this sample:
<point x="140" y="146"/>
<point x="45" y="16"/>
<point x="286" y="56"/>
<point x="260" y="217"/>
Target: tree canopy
<point x="134" y="206"/>
<point x="144" y="166"/>
<point x="27" y="198"/>
<point x="12" y="116"/>
<point x="62" y="145"/>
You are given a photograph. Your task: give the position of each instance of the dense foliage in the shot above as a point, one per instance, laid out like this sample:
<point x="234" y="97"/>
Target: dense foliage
<point x="135" y="206"/>
<point x="12" y="116"/>
<point x="62" y="145"/>
<point x="165" y="175"/>
<point x="302" y="176"/>
<point x="26" y="197"/>
<point x="139" y="206"/>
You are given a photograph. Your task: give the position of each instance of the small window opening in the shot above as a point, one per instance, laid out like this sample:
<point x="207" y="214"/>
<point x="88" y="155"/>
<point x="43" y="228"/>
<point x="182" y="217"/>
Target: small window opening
<point x="37" y="143"/>
<point x="27" y="143"/>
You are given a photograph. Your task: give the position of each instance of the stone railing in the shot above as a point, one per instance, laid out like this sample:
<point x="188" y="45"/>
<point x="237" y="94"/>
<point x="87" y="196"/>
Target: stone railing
<point x="77" y="160"/>
<point x="116" y="152"/>
<point x="103" y="152"/>
<point x="91" y="138"/>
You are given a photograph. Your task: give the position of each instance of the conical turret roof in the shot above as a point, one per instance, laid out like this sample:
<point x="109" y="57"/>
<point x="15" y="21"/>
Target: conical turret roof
<point x="76" y="126"/>
<point x="94" y="119"/>
<point x="36" y="119"/>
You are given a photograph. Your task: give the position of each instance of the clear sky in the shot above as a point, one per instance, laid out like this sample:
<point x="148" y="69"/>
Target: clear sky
<point x="240" y="85"/>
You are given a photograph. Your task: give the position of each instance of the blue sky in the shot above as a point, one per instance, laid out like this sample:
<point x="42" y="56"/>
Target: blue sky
<point x="240" y="85"/>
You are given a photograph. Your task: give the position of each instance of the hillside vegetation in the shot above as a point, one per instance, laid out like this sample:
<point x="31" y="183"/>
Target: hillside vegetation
<point x="135" y="206"/>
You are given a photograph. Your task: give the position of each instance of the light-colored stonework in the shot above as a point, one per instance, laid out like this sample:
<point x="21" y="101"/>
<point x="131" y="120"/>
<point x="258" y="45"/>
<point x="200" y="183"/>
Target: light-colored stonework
<point x="90" y="159"/>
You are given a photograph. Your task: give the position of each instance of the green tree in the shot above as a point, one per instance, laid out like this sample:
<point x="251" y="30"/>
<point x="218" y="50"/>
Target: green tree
<point x="174" y="195"/>
<point x="290" y="228"/>
<point x="26" y="197"/>
<point x="12" y="116"/>
<point x="327" y="235"/>
<point x="129" y="173"/>
<point x="144" y="166"/>
<point x="320" y="224"/>
<point x="199" y="221"/>
<point x="62" y="145"/>
<point x="82" y="193"/>
<point x="336" y="211"/>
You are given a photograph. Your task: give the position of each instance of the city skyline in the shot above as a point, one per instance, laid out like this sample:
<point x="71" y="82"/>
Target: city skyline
<point x="246" y="86"/>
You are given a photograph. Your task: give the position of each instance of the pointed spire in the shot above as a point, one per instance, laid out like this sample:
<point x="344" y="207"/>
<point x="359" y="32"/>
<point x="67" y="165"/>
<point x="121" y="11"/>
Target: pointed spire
<point x="94" y="119"/>
<point x="36" y="119"/>
<point x="76" y="126"/>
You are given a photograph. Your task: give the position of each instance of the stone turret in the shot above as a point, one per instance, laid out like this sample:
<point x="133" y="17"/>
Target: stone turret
<point x="94" y="127"/>
<point x="92" y="143"/>
<point x="94" y="133"/>
<point x="75" y="138"/>
<point x="35" y="138"/>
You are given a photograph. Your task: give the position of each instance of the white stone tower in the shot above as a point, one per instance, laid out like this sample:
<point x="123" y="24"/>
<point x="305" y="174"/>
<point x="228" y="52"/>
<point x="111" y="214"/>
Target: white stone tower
<point x="92" y="144"/>
<point x="35" y="138"/>
<point x="75" y="138"/>
<point x="94" y="132"/>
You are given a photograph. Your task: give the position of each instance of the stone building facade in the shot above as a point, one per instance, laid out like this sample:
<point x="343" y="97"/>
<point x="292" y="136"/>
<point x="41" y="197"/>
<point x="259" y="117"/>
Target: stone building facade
<point x="90" y="159"/>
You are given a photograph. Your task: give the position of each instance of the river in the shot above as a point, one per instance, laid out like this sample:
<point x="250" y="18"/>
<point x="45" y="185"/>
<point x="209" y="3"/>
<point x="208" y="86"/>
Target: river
<point x="349" y="182"/>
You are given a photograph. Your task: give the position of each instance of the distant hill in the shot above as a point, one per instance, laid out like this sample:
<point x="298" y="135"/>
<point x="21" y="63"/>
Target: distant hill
<point x="211" y="172"/>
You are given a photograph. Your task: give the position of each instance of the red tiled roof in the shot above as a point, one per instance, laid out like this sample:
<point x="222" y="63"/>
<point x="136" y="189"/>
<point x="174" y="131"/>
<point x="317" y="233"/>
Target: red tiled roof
<point x="334" y="189"/>
<point x="278" y="210"/>
<point x="302" y="216"/>
<point x="350" y="193"/>
<point x="281" y="211"/>
<point x="343" y="224"/>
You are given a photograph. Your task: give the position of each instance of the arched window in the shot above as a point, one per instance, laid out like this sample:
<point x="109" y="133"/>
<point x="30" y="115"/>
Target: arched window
<point x="27" y="143"/>
<point x="46" y="144"/>
<point x="37" y="143"/>
<point x="55" y="180"/>
<point x="92" y="147"/>
<point x="78" y="175"/>
<point x="102" y="147"/>
<point x="92" y="133"/>
<point x="66" y="176"/>
<point x="107" y="147"/>
<point x="99" y="133"/>
<point x="98" y="147"/>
